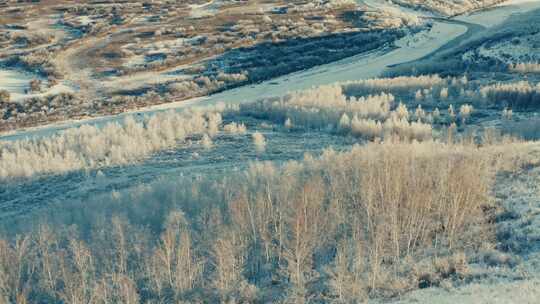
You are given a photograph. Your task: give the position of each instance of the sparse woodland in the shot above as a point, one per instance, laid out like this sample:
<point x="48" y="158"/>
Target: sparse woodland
<point x="337" y="228"/>
<point x="409" y="108"/>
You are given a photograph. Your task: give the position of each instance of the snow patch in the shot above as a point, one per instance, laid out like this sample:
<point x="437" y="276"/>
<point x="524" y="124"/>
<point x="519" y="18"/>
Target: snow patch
<point x="15" y="82"/>
<point x="497" y="15"/>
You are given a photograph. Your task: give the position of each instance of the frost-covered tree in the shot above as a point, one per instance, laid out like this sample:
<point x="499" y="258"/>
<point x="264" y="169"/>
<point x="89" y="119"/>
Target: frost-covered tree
<point x="451" y="112"/>
<point x="235" y="128"/>
<point x="419" y="113"/>
<point x="520" y="94"/>
<point x="206" y="141"/>
<point x="259" y="141"/>
<point x="288" y="123"/>
<point x="436" y="114"/>
<point x="444" y="93"/>
<point x="5" y="96"/>
<point x="507" y="113"/>
<point x="465" y="112"/>
<point x="115" y="143"/>
<point x="525" y="67"/>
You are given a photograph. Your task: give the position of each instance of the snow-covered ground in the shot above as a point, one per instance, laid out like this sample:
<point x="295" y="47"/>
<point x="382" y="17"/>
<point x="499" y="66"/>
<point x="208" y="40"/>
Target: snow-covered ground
<point x="390" y="6"/>
<point x="204" y="10"/>
<point x="15" y="82"/>
<point x="495" y="16"/>
<point x="357" y="67"/>
<point x="521" y="26"/>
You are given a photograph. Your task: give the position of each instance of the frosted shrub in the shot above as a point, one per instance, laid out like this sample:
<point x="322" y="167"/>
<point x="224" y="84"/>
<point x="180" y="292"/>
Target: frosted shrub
<point x="327" y="96"/>
<point x="327" y="107"/>
<point x="333" y="4"/>
<point x="184" y="88"/>
<point x="405" y="130"/>
<point x="419" y="114"/>
<point x="507" y="114"/>
<point x="465" y="112"/>
<point x="429" y="119"/>
<point x="206" y="141"/>
<point x="89" y="146"/>
<point x="214" y="123"/>
<point x="451" y="112"/>
<point x="344" y="122"/>
<point x="235" y="128"/>
<point x="377" y="106"/>
<point x="288" y="123"/>
<point x="366" y="128"/>
<point x="357" y="223"/>
<point x="436" y="114"/>
<point x="521" y="94"/>
<point x="320" y="107"/>
<point x="402" y="111"/>
<point x="444" y="93"/>
<point x="525" y="68"/>
<point x="418" y="95"/>
<point x="464" y="80"/>
<point x="232" y="78"/>
<point x="267" y="19"/>
<point x="397" y="85"/>
<point x="259" y="141"/>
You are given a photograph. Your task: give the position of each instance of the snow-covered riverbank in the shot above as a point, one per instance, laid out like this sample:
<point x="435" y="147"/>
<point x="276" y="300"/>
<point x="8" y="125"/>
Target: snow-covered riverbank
<point x="358" y="67"/>
<point x="15" y="82"/>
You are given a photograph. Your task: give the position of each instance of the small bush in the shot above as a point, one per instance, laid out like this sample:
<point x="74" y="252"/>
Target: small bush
<point x="5" y="96"/>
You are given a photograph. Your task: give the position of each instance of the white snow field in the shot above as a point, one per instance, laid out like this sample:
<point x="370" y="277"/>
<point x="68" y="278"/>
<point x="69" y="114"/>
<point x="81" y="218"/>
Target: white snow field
<point x="15" y="82"/>
<point x="18" y="82"/>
